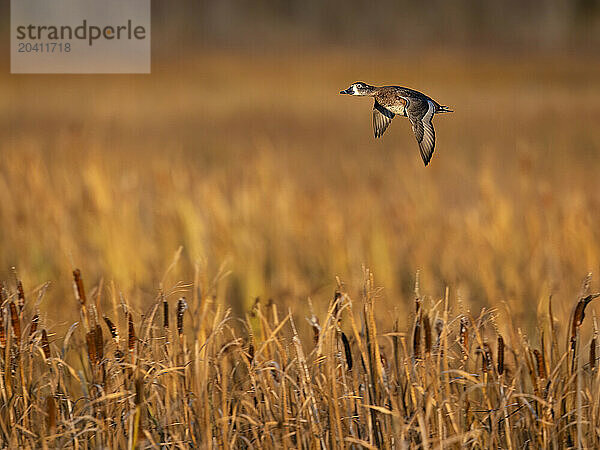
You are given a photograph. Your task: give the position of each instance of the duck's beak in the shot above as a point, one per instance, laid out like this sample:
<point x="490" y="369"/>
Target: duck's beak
<point x="344" y="92"/>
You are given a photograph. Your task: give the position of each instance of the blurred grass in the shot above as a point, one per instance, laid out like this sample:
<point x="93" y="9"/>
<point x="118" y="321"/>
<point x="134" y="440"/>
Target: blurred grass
<point x="254" y="161"/>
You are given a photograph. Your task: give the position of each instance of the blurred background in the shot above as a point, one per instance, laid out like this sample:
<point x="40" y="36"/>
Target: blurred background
<point x="239" y="148"/>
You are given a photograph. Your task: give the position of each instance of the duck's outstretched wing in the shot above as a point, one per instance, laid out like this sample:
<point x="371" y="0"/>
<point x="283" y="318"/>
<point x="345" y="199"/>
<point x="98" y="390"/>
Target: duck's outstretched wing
<point x="382" y="117"/>
<point x="420" y="112"/>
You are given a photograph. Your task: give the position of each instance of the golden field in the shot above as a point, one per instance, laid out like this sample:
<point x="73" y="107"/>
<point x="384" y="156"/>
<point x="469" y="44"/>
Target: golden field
<point x="256" y="162"/>
<point x="273" y="186"/>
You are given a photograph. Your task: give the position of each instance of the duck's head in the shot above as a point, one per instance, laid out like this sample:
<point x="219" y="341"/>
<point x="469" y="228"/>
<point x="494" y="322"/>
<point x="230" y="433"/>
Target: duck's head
<point x="359" y="88"/>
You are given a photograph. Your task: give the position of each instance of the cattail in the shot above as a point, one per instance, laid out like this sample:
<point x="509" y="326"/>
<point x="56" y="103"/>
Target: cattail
<point x="165" y="313"/>
<point x="417" y="337"/>
<point x="2" y="330"/>
<point x="131" y="335"/>
<point x="464" y="337"/>
<point x="20" y="295"/>
<point x="139" y="391"/>
<point x="347" y="351"/>
<point x="90" y="338"/>
<point x="251" y="351"/>
<point x="540" y="362"/>
<point x="578" y="316"/>
<point x="113" y="330"/>
<point x="99" y="344"/>
<point x="78" y="287"/>
<point x="51" y="414"/>
<point x="34" y="324"/>
<point x="427" y="329"/>
<point x="16" y="324"/>
<point x="593" y="353"/>
<point x="500" y="355"/>
<point x="487" y="357"/>
<point x="45" y="344"/>
<point x="181" y="307"/>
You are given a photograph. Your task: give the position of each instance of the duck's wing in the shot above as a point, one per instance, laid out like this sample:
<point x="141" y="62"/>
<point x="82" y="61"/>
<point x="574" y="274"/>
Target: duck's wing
<point x="420" y="112"/>
<point x="382" y="117"/>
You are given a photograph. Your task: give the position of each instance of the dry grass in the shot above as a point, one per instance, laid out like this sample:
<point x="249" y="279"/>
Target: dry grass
<point x="216" y="381"/>
<point x="273" y="186"/>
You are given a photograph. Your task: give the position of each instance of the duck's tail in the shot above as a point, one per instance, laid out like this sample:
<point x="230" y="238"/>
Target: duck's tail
<point x="444" y="109"/>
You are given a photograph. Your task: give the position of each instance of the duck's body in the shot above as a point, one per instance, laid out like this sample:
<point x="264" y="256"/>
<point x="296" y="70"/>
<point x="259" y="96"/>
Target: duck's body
<point x="396" y="100"/>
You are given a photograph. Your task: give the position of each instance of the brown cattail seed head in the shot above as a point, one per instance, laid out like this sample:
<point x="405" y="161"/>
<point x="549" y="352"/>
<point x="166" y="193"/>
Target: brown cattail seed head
<point x="99" y="344"/>
<point x="427" y="329"/>
<point x="181" y="307"/>
<point x="139" y="391"/>
<point x="578" y="316"/>
<point x="165" y="313"/>
<point x="78" y="287"/>
<point x="45" y="344"/>
<point x="113" y="330"/>
<point x="541" y="364"/>
<point x="487" y="357"/>
<point x="34" y="324"/>
<point x="417" y="335"/>
<point x="500" y="355"/>
<point x="14" y="319"/>
<point x="347" y="351"/>
<point x="90" y="338"/>
<point x="51" y="414"/>
<point x="251" y="351"/>
<point x="20" y="295"/>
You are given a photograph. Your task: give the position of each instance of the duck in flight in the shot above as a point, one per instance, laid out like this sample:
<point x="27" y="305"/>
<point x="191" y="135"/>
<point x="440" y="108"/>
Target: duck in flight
<point x="392" y="100"/>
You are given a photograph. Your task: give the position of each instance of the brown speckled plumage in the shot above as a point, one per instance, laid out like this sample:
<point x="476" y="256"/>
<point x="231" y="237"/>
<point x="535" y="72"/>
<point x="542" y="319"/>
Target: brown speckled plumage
<point x="395" y="100"/>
